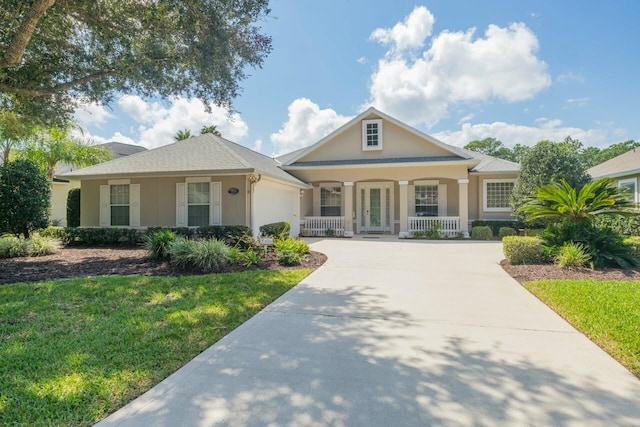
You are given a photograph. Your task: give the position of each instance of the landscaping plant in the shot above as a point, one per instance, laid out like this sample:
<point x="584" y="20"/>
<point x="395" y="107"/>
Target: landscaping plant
<point x="207" y="255"/>
<point x="572" y="255"/>
<point x="157" y="244"/>
<point x="523" y="250"/>
<point x="481" y="232"/>
<point x="506" y="231"/>
<point x="290" y="251"/>
<point x="36" y="245"/>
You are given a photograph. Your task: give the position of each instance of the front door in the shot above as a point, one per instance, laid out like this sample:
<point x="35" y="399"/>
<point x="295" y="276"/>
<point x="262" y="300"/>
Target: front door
<point x="375" y="208"/>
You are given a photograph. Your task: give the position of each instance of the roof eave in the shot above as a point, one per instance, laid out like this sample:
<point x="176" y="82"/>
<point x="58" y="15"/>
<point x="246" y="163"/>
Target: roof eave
<point x="160" y="174"/>
<point x="617" y="174"/>
<point x="383" y="165"/>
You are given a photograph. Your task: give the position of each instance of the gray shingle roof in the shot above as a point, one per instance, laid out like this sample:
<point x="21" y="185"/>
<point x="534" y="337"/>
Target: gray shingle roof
<point x="205" y="153"/>
<point x="624" y="164"/>
<point x="490" y="164"/>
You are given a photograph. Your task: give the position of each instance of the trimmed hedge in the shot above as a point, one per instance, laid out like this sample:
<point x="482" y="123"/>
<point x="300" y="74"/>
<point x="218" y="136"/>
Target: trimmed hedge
<point x="481" y="232"/>
<point x="496" y="225"/>
<point x="73" y="208"/>
<point x="523" y="250"/>
<point x="506" y="231"/>
<point x="276" y="229"/>
<point x="623" y="225"/>
<point x="230" y="234"/>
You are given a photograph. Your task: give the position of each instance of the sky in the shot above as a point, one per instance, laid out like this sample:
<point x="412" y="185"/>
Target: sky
<point x="519" y="71"/>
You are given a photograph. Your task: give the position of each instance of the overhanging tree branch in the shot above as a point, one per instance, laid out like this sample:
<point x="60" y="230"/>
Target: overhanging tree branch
<point x="15" y="51"/>
<point x="57" y="88"/>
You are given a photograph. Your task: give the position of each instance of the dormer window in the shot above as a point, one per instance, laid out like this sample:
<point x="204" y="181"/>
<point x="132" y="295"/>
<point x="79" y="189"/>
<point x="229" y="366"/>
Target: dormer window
<point x="372" y="135"/>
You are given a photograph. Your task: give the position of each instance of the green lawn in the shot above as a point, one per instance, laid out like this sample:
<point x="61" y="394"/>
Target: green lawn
<point x="608" y="312"/>
<point x="73" y="351"/>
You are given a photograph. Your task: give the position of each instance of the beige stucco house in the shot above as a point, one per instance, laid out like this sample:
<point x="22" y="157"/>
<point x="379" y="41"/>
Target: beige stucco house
<point x="375" y="174"/>
<point x="625" y="169"/>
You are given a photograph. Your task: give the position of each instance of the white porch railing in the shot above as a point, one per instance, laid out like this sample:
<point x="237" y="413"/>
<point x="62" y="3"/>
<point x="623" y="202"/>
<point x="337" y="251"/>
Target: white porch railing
<point x="323" y="226"/>
<point x="447" y="225"/>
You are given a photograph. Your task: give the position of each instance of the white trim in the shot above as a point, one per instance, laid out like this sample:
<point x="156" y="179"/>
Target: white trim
<point x="633" y="181"/>
<point x="461" y="162"/>
<point x="365" y="145"/>
<point x="119" y="182"/>
<point x="358" y="205"/>
<point x="348" y="184"/>
<point x="463" y="181"/>
<point x="426" y="182"/>
<point x="484" y="194"/>
<point x="403" y="182"/>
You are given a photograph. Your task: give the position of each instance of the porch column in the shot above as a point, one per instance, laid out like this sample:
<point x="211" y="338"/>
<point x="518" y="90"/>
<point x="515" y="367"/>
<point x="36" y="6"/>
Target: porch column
<point x="463" y="203"/>
<point x="404" y="209"/>
<point x="348" y="208"/>
<point x="316" y="199"/>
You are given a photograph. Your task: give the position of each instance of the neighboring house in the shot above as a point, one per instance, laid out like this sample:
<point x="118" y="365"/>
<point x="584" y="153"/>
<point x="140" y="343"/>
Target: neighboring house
<point x="60" y="187"/>
<point x="375" y="174"/>
<point x="625" y="169"/>
<point x="204" y="180"/>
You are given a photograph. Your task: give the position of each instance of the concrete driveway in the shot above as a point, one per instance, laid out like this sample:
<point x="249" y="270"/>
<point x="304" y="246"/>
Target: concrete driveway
<point x="392" y="333"/>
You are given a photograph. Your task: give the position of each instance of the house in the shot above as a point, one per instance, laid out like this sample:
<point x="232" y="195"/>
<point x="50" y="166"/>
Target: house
<point x="374" y="174"/>
<point x="625" y="169"/>
<point x="204" y="180"/>
<point x="60" y="187"/>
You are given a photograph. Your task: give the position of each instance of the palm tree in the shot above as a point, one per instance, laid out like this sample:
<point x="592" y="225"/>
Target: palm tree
<point x="182" y="135"/>
<point x="213" y="129"/>
<point x="560" y="201"/>
<point x="14" y="130"/>
<point x="56" y="145"/>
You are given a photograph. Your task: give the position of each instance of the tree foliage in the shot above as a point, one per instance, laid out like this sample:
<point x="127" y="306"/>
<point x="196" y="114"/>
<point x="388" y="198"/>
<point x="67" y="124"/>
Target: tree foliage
<point x="56" y="145"/>
<point x="24" y="197"/>
<point x="182" y="134"/>
<point x="213" y="129"/>
<point x="544" y="163"/>
<point x="56" y="52"/>
<point x="14" y="130"/>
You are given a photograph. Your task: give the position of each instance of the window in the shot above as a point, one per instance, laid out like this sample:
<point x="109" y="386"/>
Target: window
<point x="630" y="186"/>
<point x="426" y="200"/>
<point x="372" y="135"/>
<point x="198" y="204"/>
<point x="497" y="194"/>
<point x="119" y="202"/>
<point x="330" y="200"/>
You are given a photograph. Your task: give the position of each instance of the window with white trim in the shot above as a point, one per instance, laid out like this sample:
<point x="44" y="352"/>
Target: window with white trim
<point x="426" y="199"/>
<point x="119" y="203"/>
<point x="198" y="204"/>
<point x="330" y="200"/>
<point x="630" y="186"/>
<point x="497" y="194"/>
<point x="372" y="134"/>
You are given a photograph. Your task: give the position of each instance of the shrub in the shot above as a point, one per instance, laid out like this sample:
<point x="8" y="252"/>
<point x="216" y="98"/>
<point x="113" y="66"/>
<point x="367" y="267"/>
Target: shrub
<point x="73" y="208"/>
<point x="65" y="235"/>
<point x="230" y="234"/>
<point x="109" y="236"/>
<point x="276" y="229"/>
<point x="288" y="257"/>
<point x="205" y="255"/>
<point x="178" y="231"/>
<point x="25" y="193"/>
<point x="572" y="255"/>
<point x="481" y="232"/>
<point x="40" y="245"/>
<point x="605" y="246"/>
<point x="497" y="225"/>
<point x="506" y="231"/>
<point x="291" y="244"/>
<point x="157" y="244"/>
<point x="12" y="246"/>
<point x="634" y="243"/>
<point x="625" y="225"/>
<point x="523" y="250"/>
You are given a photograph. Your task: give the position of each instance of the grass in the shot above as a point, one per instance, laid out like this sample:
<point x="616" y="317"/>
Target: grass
<point x="73" y="351"/>
<point x="608" y="312"/>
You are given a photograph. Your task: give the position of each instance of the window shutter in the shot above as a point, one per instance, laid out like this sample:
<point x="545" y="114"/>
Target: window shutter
<point x="105" y="206"/>
<point x="215" y="214"/>
<point x="442" y="199"/>
<point x="134" y="205"/>
<point x="181" y="204"/>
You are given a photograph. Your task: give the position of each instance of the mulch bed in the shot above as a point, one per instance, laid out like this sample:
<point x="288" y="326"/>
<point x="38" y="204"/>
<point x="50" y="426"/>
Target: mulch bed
<point x="527" y="273"/>
<point x="85" y="262"/>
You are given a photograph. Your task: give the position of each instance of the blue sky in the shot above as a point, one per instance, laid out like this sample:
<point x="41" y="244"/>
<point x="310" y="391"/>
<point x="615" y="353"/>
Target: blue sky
<point x="519" y="71"/>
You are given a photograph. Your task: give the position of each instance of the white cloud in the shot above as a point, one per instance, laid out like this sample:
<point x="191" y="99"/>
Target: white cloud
<point x="257" y="146"/>
<point x="466" y="118"/>
<point x="577" y="102"/>
<point x="457" y="68"/>
<point x="159" y="123"/>
<point x="570" y="76"/>
<point x="91" y="114"/>
<point x="409" y="34"/>
<point x="361" y="60"/>
<point x="511" y="134"/>
<point x="307" y="124"/>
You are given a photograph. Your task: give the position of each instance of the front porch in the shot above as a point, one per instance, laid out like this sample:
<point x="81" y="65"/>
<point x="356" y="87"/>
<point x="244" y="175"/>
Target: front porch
<point x="391" y="207"/>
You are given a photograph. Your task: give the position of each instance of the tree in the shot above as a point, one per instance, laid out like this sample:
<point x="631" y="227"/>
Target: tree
<point x="615" y="150"/>
<point x="24" y="197"/>
<point x="544" y="163"/>
<point x="56" y="52"/>
<point x="489" y="146"/>
<point x="213" y="129"/>
<point x="519" y="151"/>
<point x="56" y="146"/>
<point x="559" y="201"/>
<point x="14" y="130"/>
<point x="182" y="135"/>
